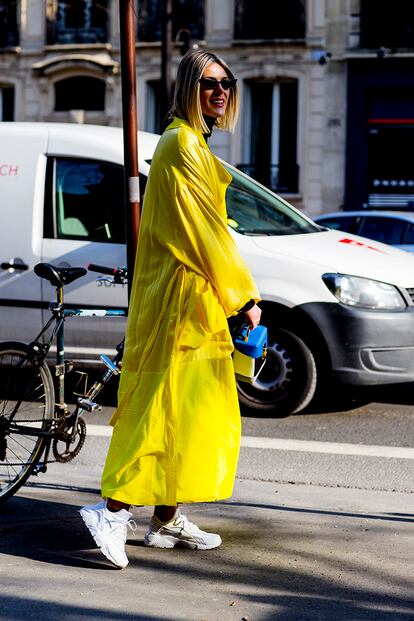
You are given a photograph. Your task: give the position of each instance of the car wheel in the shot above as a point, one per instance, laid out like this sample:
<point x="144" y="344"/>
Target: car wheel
<point x="287" y="381"/>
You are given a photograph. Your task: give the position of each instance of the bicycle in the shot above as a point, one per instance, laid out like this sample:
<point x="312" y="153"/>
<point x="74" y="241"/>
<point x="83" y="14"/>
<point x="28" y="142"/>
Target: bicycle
<point x="32" y="423"/>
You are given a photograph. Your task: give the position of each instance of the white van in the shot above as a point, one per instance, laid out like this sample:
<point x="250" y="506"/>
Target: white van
<point x="338" y="307"/>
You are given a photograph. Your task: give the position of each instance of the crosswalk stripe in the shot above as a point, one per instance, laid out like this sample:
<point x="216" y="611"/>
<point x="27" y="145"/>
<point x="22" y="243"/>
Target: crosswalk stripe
<point x="304" y="446"/>
<point x="333" y="448"/>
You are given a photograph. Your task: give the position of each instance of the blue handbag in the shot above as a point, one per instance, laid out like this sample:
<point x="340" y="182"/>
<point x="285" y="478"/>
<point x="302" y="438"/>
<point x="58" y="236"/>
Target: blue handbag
<point x="250" y="350"/>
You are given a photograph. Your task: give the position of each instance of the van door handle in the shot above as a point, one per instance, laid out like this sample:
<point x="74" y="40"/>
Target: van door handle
<point x="14" y="266"/>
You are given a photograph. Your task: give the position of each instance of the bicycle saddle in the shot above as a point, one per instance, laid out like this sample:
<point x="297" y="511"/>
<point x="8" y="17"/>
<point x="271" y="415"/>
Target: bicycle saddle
<point x="59" y="276"/>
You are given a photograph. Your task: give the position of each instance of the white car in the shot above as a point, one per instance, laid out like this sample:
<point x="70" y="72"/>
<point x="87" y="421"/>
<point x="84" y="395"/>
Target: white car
<point x="338" y="307"/>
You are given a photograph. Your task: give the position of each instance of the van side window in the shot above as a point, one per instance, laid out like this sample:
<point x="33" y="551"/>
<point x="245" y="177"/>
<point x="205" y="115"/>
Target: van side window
<point x="84" y="200"/>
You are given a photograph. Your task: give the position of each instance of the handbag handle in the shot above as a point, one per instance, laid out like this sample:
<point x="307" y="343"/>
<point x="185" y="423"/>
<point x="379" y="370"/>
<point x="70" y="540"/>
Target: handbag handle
<point x="246" y="337"/>
<point x="244" y="332"/>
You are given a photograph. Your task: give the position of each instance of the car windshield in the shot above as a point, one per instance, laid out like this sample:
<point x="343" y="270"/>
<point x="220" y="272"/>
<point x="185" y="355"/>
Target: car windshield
<point x="254" y="210"/>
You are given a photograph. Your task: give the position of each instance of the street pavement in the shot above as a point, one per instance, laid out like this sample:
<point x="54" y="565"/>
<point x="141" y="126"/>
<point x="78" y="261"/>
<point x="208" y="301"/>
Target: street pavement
<point x="295" y="547"/>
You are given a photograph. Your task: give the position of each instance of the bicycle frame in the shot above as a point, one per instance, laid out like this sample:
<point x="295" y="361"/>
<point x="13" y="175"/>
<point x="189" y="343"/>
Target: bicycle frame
<point x="59" y="314"/>
<point x="37" y="408"/>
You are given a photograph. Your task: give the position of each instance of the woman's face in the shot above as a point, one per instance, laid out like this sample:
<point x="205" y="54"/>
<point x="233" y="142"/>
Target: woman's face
<point x="213" y="99"/>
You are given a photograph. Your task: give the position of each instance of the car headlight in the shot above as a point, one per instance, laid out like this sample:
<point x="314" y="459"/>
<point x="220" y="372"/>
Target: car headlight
<point x="364" y="292"/>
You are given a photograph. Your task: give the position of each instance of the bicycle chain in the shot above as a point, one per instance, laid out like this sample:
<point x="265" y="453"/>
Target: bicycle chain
<point x="66" y="453"/>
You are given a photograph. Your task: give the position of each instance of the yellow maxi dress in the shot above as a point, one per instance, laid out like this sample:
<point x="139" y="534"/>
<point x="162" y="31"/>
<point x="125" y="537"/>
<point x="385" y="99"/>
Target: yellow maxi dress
<point x="176" y="433"/>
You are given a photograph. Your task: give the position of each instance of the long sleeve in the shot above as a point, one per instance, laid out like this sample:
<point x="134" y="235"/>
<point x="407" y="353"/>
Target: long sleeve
<point x="196" y="231"/>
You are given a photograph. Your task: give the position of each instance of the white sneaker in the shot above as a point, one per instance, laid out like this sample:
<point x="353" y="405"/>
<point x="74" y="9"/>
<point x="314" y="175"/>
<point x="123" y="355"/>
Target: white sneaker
<point x="109" y="530"/>
<point x="179" y="532"/>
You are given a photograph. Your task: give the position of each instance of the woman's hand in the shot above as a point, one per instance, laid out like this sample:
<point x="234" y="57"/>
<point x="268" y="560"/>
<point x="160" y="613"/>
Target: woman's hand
<point x="253" y="316"/>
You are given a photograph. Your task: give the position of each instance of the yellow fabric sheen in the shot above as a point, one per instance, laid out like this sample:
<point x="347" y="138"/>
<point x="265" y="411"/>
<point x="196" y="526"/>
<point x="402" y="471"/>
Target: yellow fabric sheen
<point x="176" y="431"/>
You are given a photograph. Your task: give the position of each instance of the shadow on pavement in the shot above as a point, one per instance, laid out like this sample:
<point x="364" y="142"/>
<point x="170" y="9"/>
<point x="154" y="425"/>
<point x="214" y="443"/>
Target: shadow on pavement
<point x="17" y="608"/>
<point x="387" y="517"/>
<point x="45" y="531"/>
<point x="345" y="401"/>
<point x="349" y="399"/>
<point x="289" y="569"/>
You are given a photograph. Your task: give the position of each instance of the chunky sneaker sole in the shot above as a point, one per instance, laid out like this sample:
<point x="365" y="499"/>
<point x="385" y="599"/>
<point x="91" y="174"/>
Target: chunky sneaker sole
<point x="93" y="518"/>
<point x="179" y="533"/>
<point x="169" y="541"/>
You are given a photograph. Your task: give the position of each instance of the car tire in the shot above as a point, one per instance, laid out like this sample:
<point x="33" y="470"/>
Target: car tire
<point x="287" y="382"/>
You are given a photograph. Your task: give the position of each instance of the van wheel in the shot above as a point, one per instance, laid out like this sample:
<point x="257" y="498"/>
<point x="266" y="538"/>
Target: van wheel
<point x="287" y="381"/>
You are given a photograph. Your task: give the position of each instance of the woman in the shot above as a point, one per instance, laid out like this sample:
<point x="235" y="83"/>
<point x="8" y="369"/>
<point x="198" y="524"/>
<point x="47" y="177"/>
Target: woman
<point x="176" y="431"/>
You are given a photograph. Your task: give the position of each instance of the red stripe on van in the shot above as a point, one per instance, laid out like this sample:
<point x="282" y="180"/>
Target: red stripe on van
<point x="354" y="242"/>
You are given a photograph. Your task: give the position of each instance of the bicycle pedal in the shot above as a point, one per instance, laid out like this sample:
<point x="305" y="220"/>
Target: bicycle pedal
<point x="88" y="405"/>
<point x="111" y="366"/>
<point x="39" y="468"/>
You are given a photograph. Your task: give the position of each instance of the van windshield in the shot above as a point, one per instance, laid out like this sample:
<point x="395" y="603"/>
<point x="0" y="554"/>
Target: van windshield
<point x="254" y="210"/>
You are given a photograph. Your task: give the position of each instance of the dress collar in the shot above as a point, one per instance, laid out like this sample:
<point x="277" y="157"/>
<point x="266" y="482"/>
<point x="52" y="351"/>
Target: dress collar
<point x="177" y="123"/>
<point x="224" y="175"/>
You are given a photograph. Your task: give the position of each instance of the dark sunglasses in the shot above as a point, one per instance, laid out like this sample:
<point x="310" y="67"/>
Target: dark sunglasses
<point x="210" y="84"/>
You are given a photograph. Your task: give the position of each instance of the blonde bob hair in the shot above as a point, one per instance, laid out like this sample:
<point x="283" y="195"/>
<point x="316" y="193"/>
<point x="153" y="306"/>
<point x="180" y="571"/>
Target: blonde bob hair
<point x="186" y="102"/>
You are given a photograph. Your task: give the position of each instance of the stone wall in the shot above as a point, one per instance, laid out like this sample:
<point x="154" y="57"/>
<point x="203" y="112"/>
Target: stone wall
<point x="34" y="67"/>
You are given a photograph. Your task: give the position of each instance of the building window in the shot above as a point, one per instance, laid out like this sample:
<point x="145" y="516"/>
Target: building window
<point x="153" y="99"/>
<point x="80" y="93"/>
<point x="8" y="24"/>
<point x="187" y="15"/>
<point x="271" y="138"/>
<point x="385" y="24"/>
<point x="77" y="21"/>
<point x="261" y="19"/>
<point x="155" y="121"/>
<point x="390" y="176"/>
<point x="6" y="103"/>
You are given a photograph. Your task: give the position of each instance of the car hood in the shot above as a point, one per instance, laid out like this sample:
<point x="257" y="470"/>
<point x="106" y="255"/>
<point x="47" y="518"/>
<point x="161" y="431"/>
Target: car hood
<point x="338" y="252"/>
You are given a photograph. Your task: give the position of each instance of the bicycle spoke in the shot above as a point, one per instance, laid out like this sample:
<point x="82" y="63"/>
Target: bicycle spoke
<point x="11" y="464"/>
<point x="32" y="439"/>
<point x="26" y="400"/>
<point x="28" y="407"/>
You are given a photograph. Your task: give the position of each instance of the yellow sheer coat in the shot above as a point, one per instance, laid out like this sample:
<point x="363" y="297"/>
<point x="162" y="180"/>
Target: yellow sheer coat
<point x="176" y="430"/>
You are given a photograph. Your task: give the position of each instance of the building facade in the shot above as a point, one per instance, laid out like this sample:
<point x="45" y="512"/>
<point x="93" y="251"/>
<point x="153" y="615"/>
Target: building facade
<point x="324" y="84"/>
<point x="380" y="106"/>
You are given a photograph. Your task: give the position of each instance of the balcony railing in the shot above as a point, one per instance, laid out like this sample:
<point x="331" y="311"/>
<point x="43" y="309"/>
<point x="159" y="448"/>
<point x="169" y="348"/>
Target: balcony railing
<point x="9" y="36"/>
<point x="255" y="19"/>
<point x="77" y="21"/>
<point x="282" y="179"/>
<point x="77" y="35"/>
<point x="186" y="15"/>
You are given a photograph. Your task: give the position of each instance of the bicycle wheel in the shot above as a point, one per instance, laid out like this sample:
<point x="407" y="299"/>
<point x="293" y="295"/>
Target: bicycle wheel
<point x="26" y="398"/>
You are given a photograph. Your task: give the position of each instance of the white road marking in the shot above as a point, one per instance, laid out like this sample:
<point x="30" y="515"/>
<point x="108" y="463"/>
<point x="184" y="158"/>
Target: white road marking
<point x="304" y="446"/>
<point x="101" y="431"/>
<point x="333" y="448"/>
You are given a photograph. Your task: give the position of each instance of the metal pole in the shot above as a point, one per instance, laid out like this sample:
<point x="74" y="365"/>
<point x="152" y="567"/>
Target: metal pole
<point x="130" y="130"/>
<point x="166" y="56"/>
